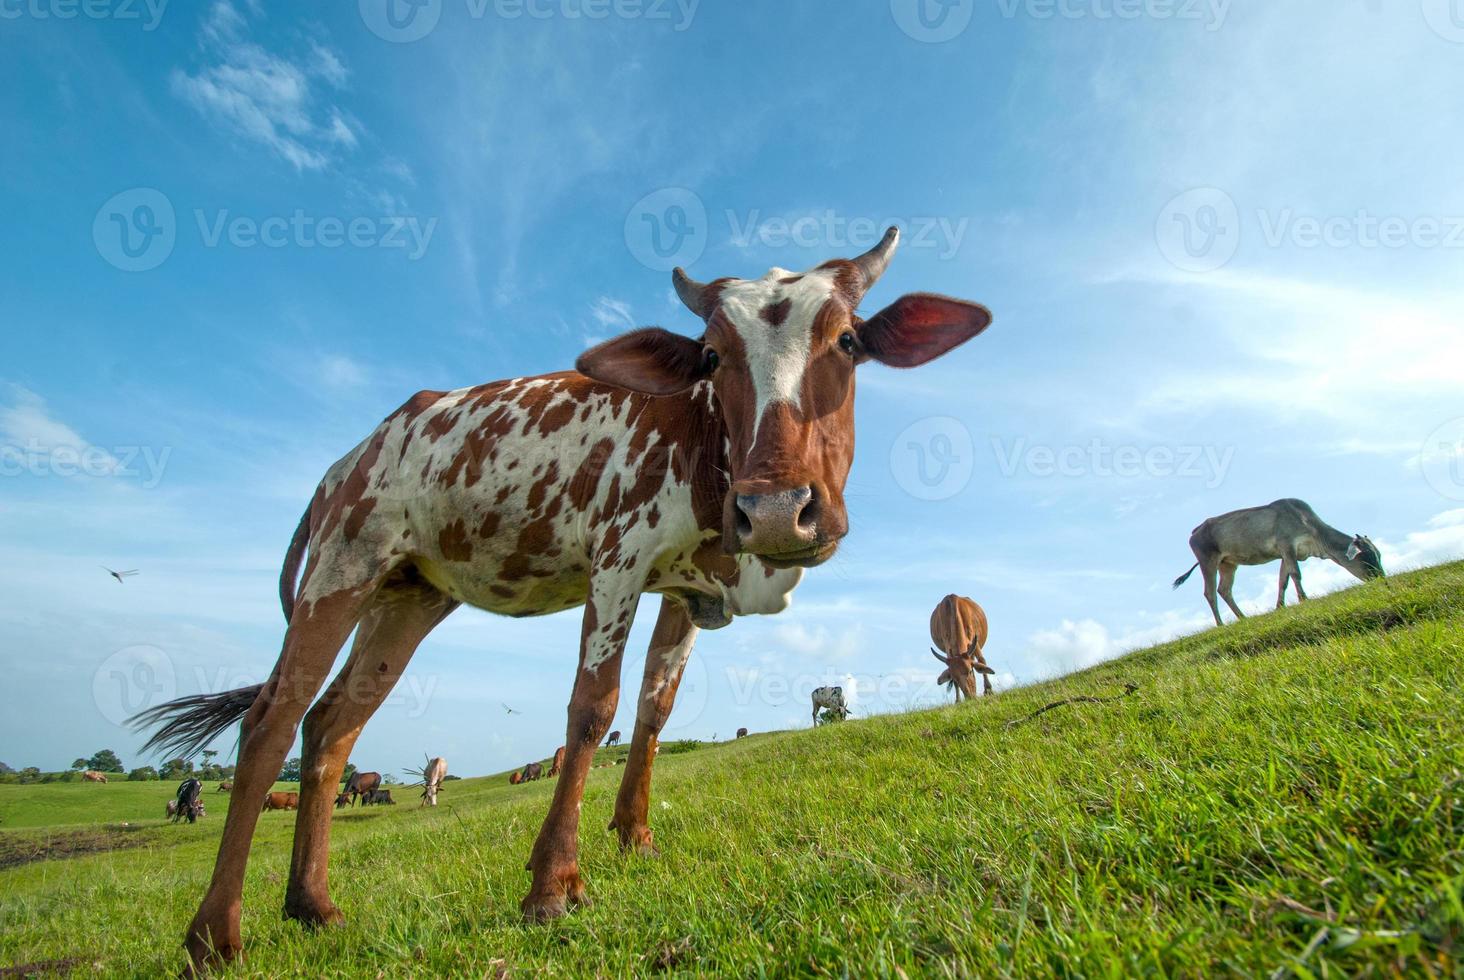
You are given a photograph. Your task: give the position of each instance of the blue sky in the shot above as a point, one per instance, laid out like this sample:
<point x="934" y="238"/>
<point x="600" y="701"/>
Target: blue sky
<point x="1222" y="242"/>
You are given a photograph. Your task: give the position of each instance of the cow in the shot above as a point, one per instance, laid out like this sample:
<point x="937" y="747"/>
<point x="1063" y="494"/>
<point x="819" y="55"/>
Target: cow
<point x="224" y="787"/>
<point x="361" y="783"/>
<point x="707" y="469"/>
<point x="171" y="810"/>
<point x="515" y="777"/>
<point x="378" y="797"/>
<point x="187" y="801"/>
<point x="92" y="776"/>
<point x="432" y="776"/>
<point x="613" y="738"/>
<point x="958" y="629"/>
<point x="277" y="801"/>
<point x="558" y="762"/>
<point x="533" y="771"/>
<point x="1286" y="529"/>
<point x="741" y="733"/>
<point x="344" y="800"/>
<point x="830" y="699"/>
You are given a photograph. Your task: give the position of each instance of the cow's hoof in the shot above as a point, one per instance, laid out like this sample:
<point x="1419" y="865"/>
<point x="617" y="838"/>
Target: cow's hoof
<point x="210" y="946"/>
<point x="554" y="898"/>
<point x="638" y="841"/>
<point x="314" y="914"/>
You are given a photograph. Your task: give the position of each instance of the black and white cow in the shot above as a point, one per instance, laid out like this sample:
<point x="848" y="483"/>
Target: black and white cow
<point x="830" y="699"/>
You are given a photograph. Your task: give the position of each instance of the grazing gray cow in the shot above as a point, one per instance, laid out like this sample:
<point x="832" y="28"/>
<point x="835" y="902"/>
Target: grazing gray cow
<point x="830" y="699"/>
<point x="1288" y="530"/>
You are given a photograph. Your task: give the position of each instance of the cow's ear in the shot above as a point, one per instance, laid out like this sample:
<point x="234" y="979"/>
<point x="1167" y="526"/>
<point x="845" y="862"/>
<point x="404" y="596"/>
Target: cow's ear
<point x="651" y="360"/>
<point x="920" y="327"/>
<point x="945" y="677"/>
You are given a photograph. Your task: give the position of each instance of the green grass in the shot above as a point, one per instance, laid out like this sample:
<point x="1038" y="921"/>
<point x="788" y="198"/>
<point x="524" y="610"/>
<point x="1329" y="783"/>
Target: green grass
<point x="1282" y="794"/>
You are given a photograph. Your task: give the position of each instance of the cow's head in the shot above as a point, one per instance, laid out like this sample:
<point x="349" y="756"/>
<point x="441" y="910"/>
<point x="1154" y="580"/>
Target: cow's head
<point x="961" y="670"/>
<point x="780" y="353"/>
<point x="1363" y="558"/>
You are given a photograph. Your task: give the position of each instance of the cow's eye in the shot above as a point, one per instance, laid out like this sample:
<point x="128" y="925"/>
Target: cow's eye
<point x="710" y="360"/>
<point x="847" y="343"/>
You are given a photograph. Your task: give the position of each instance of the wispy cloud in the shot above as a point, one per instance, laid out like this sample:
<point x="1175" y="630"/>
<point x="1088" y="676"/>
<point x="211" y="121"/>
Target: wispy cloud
<point x="267" y="98"/>
<point x="28" y="427"/>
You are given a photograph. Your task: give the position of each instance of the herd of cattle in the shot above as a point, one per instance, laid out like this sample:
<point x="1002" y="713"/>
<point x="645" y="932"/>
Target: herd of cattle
<point x="708" y="469"/>
<point x="364" y="787"/>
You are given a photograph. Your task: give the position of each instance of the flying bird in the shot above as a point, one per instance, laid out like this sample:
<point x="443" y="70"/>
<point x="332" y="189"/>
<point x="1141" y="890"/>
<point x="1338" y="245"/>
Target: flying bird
<point x="510" y="710"/>
<point x="121" y="577"/>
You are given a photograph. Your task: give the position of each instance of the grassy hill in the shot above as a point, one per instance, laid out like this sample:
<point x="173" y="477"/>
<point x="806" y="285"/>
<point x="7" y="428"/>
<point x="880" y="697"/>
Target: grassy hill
<point x="1284" y="795"/>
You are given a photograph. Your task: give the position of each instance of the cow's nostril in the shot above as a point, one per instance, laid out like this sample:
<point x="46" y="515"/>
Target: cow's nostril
<point x="744" y="523"/>
<point x="808" y="516"/>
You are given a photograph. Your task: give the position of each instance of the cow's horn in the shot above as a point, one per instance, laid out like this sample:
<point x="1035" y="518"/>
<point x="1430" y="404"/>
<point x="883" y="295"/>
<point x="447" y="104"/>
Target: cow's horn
<point x="944" y="660"/>
<point x="691" y="292"/>
<point x="872" y="264"/>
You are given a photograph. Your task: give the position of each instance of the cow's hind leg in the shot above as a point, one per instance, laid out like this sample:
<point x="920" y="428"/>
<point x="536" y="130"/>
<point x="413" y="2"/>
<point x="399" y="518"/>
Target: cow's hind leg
<point x="1281" y="585"/>
<point x="268" y="730"/>
<point x="400" y="616"/>
<point x="1209" y="571"/>
<point x="665" y="660"/>
<point x="555" y="857"/>
<point x="1227" y="582"/>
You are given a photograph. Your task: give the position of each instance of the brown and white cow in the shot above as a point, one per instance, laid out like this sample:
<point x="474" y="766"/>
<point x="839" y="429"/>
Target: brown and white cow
<point x="958" y="628"/>
<point x="92" y="776"/>
<point x="515" y="777"/>
<point x="707" y="469"/>
<point x="558" y="762"/>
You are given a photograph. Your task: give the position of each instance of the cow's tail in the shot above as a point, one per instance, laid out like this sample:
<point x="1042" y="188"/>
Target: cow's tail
<point x="1185" y="577"/>
<point x="186" y="725"/>
<point x="290" y="573"/>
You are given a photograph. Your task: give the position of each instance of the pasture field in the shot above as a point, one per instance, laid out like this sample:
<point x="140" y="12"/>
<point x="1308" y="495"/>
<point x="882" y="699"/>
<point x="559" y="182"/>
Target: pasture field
<point x="1280" y="797"/>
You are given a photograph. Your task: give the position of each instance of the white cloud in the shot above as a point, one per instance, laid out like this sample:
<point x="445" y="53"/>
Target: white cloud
<point x="613" y="313"/>
<point x="267" y="98"/>
<point x="28" y="426"/>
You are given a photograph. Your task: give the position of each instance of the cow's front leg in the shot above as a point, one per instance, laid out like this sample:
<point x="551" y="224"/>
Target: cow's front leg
<point x="555" y="858"/>
<point x="665" y="661"/>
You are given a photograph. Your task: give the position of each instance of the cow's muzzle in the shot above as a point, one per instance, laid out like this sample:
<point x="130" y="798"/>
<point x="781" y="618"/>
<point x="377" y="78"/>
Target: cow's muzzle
<point x="782" y="528"/>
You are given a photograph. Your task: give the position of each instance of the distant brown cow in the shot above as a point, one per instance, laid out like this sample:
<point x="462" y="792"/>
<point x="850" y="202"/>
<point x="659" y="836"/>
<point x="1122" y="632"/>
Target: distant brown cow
<point x="533" y="771"/>
<point x="558" y="762"/>
<point x="92" y="776"/>
<point x="224" y="787"/>
<point x="343" y="800"/>
<point x="362" y="783"/>
<point x="515" y="777"/>
<point x="958" y="627"/>
<point x="741" y="733"/>
<point x="282" y="801"/>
